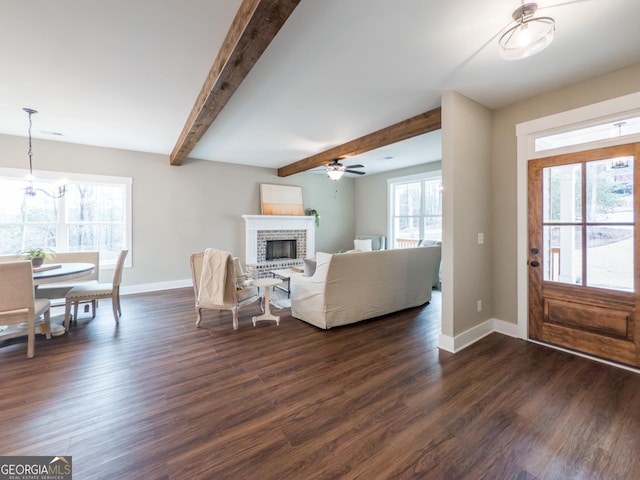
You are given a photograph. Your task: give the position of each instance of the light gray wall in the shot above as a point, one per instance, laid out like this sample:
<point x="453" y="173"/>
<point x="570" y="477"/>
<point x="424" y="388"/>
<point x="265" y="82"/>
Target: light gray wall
<point x="503" y="168"/>
<point x="181" y="210"/>
<point x="372" y="217"/>
<point x="466" y="181"/>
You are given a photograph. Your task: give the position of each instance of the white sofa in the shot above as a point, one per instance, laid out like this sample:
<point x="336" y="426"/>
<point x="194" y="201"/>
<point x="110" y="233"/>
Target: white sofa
<point x="350" y="287"/>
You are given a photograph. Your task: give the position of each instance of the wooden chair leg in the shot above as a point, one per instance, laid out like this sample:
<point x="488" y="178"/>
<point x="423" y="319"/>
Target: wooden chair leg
<point x="114" y="301"/>
<point x="198" y="317"/>
<point x="47" y="325"/>
<point x="234" y="313"/>
<point x="117" y="293"/>
<point x="93" y="308"/>
<point x="75" y="311"/>
<point x="31" y="339"/>
<point x="67" y="314"/>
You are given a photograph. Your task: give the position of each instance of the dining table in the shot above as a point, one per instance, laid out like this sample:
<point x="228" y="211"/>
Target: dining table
<point x="60" y="272"/>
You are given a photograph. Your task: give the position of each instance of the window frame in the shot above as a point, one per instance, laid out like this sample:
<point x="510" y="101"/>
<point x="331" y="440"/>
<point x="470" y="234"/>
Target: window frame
<point x="62" y="223"/>
<point x="415" y="178"/>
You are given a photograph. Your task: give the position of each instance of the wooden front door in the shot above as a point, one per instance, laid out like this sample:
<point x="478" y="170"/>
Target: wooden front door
<point x="584" y="251"/>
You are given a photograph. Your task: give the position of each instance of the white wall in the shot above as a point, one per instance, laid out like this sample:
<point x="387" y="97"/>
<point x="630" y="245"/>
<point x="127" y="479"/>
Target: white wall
<point x="180" y="210"/>
<point x="466" y="181"/>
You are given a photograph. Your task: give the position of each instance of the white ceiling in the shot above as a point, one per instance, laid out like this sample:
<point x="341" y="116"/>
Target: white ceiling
<point x="125" y="73"/>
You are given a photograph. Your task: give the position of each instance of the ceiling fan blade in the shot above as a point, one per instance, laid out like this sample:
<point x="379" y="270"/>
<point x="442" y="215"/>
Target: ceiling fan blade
<point x="356" y="166"/>
<point x="354" y="171"/>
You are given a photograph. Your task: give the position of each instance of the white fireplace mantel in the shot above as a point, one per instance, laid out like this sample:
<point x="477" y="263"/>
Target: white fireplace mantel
<point x="256" y="223"/>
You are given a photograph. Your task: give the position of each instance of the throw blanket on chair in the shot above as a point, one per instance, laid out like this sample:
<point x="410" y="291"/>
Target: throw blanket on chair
<point x="215" y="273"/>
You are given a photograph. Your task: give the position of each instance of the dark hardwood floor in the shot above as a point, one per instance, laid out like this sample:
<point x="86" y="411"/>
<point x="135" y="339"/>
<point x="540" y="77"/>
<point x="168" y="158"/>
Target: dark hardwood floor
<point x="157" y="398"/>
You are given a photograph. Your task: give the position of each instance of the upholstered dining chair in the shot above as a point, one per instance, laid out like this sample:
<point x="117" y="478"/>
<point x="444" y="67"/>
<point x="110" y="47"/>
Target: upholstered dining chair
<point x="236" y="290"/>
<point x="18" y="305"/>
<point x="59" y="290"/>
<point x="90" y="292"/>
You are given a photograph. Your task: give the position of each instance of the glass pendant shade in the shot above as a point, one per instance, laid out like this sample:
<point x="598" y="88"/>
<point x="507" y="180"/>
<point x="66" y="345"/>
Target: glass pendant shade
<point x="529" y="36"/>
<point x="334" y="172"/>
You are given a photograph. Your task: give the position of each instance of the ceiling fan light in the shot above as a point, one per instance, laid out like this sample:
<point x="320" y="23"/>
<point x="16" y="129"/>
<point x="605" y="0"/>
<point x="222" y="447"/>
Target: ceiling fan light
<point x="529" y="36"/>
<point x="334" y="173"/>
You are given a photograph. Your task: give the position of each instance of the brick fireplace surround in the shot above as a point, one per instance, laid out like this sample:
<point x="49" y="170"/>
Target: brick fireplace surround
<point x="260" y="228"/>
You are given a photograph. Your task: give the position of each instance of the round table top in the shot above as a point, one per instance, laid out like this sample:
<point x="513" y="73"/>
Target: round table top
<point x="266" y="282"/>
<point x="66" y="271"/>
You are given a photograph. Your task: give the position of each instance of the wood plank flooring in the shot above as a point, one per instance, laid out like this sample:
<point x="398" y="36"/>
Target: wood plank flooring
<point x="157" y="398"/>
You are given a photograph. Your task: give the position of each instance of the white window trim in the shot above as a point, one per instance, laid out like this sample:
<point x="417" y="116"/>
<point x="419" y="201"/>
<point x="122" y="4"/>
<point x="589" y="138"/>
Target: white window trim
<point x="88" y="178"/>
<point x="391" y="182"/>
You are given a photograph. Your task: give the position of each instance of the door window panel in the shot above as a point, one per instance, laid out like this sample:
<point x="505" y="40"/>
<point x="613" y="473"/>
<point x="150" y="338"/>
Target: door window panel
<point x="562" y="193"/>
<point x="562" y="254"/>
<point x="610" y="257"/>
<point x="610" y="190"/>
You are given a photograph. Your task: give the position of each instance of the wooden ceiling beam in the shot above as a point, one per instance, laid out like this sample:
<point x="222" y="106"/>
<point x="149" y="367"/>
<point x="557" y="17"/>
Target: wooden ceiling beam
<point x="423" y="123"/>
<point x="254" y="27"/>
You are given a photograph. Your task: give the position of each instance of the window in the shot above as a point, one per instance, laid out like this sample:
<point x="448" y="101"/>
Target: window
<point x="602" y="131"/>
<point x="94" y="214"/>
<point x="415" y="206"/>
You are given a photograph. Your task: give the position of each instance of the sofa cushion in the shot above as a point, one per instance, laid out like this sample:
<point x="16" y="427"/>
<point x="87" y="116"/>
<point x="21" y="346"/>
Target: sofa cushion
<point x="378" y="242"/>
<point x="362" y="245"/>
<point x="309" y="267"/>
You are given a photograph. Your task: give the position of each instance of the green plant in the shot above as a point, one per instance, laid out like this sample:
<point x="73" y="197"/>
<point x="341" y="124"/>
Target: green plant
<point x="314" y="212"/>
<point x="32" y="253"/>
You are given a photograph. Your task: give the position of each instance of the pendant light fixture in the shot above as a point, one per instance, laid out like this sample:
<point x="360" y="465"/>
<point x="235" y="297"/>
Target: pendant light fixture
<point x="30" y="190"/>
<point x="529" y="36"/>
<point x="620" y="162"/>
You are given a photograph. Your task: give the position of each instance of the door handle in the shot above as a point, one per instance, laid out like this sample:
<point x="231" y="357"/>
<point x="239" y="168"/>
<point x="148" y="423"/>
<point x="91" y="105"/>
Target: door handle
<point x="535" y="263"/>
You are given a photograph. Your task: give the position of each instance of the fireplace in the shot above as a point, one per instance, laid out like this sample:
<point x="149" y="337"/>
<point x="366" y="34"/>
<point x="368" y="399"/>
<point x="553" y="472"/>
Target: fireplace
<point x="281" y="250"/>
<point x="262" y="228"/>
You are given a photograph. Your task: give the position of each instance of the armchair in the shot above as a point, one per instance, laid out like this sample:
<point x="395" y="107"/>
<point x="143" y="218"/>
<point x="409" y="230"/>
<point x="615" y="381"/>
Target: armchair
<point x="235" y="290"/>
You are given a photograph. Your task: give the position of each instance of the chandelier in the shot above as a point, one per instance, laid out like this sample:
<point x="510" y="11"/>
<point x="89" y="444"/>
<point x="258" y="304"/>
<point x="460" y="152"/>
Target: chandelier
<point x="529" y="36"/>
<point x="30" y="190"/>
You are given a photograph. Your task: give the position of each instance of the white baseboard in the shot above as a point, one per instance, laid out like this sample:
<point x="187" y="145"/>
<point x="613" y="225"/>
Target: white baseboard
<point x="507" y="328"/>
<point x="471" y="336"/>
<point x="154" y="287"/>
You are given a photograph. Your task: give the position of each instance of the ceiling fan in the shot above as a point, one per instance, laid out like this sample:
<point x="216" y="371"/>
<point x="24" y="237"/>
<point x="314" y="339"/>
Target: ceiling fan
<point x="335" y="169"/>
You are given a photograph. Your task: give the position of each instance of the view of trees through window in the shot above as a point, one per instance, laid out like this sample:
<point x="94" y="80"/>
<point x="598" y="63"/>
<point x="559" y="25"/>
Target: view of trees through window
<point x="91" y="216"/>
<point x="416" y="210"/>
